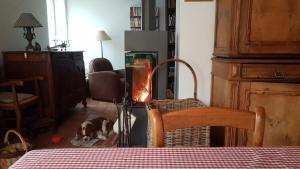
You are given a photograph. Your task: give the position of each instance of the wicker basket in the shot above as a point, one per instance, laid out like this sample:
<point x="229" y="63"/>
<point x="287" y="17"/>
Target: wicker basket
<point x="7" y="160"/>
<point x="196" y="136"/>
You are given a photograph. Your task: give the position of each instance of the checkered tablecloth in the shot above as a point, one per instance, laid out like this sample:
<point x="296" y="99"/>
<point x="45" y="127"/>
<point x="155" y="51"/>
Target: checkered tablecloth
<point x="225" y="157"/>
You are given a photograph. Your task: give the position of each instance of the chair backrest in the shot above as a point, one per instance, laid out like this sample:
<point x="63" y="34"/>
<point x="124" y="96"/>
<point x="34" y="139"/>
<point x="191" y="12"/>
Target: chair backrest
<point x="212" y="116"/>
<point x="100" y="64"/>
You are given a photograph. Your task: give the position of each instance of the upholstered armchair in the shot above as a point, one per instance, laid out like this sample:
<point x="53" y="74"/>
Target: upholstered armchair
<point x="105" y="83"/>
<point x="13" y="100"/>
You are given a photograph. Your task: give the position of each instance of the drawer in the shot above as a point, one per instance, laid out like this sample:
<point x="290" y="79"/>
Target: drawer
<point x="25" y="57"/>
<point x="77" y="56"/>
<point x="67" y="56"/>
<point x="271" y="71"/>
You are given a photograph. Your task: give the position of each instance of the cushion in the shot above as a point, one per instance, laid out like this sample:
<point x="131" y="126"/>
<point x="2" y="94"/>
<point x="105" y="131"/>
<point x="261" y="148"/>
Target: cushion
<point x="100" y="64"/>
<point x="7" y="97"/>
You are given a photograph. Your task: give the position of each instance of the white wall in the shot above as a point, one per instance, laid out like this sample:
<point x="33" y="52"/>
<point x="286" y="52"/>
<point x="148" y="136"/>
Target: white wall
<point x="196" y="22"/>
<point x="85" y="18"/>
<point x="12" y="38"/>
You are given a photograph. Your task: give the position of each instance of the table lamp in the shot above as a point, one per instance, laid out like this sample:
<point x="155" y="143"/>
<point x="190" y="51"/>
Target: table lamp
<point x="28" y="22"/>
<point x="102" y="36"/>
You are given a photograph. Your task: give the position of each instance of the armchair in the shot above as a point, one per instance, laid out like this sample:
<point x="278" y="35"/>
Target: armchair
<point x="105" y="83"/>
<point x="14" y="101"/>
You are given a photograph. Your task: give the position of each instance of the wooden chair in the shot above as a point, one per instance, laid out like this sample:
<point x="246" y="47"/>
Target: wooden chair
<point x="14" y="101"/>
<point x="212" y="116"/>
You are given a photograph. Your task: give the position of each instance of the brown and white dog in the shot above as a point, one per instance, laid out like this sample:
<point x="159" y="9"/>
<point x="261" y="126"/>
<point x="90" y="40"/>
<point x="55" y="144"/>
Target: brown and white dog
<point x="99" y="128"/>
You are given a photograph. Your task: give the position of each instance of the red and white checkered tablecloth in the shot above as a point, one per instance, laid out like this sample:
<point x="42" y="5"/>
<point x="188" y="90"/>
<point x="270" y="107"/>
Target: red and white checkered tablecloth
<point x="207" y="157"/>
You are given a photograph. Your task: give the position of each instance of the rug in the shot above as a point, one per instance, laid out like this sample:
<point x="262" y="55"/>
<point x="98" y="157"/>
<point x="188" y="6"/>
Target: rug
<point x="83" y="143"/>
<point x="111" y="141"/>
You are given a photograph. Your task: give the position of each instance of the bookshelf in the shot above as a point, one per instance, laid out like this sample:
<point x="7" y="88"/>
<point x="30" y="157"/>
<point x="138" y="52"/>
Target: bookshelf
<point x="136" y="18"/>
<point x="171" y="28"/>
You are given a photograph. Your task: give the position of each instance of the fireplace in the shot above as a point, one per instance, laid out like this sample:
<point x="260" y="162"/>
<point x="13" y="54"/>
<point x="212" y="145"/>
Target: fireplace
<point x="138" y="66"/>
<point x="151" y="42"/>
<point x="148" y="49"/>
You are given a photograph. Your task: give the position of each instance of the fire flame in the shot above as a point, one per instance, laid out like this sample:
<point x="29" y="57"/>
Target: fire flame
<point x="144" y="95"/>
<point x="142" y="75"/>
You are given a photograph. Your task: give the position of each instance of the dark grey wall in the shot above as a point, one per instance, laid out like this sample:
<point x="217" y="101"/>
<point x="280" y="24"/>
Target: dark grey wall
<point x="155" y="41"/>
<point x="149" y="14"/>
<point x="161" y="4"/>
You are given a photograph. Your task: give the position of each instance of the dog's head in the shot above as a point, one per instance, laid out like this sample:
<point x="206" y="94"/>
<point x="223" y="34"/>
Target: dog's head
<point x="87" y="131"/>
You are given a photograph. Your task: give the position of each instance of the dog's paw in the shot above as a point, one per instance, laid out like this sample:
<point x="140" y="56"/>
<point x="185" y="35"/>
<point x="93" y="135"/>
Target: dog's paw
<point x="77" y="137"/>
<point x="86" y="138"/>
<point x="101" y="136"/>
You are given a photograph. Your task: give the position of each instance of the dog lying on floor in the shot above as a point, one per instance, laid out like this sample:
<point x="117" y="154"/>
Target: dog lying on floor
<point x="99" y="128"/>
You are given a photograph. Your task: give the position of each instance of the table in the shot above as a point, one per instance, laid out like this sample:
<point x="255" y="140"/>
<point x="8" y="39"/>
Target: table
<point x="205" y="157"/>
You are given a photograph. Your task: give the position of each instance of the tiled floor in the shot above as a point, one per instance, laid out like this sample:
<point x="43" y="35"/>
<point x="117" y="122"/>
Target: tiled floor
<point x="66" y="130"/>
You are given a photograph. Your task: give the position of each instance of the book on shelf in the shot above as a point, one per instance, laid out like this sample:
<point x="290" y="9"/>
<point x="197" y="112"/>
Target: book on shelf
<point x="135" y="11"/>
<point x="172" y="19"/>
<point x="156" y="11"/>
<point x="135" y="29"/>
<point x="135" y="22"/>
<point x="171" y="74"/>
<point x="171" y="37"/>
<point x="171" y="68"/>
<point x="171" y="53"/>
<point x="135" y="18"/>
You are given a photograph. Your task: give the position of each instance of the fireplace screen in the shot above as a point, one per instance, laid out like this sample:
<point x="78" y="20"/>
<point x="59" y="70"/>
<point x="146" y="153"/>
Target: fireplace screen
<point x="139" y="66"/>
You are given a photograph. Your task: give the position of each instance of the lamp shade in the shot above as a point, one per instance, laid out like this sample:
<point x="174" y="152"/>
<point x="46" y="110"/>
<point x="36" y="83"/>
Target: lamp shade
<point x="102" y="36"/>
<point x="27" y="20"/>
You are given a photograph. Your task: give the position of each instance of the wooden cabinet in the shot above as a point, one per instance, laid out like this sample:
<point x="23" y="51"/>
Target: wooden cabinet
<point x="256" y="28"/>
<point x="64" y="82"/>
<point x="273" y="84"/>
<point x="257" y="63"/>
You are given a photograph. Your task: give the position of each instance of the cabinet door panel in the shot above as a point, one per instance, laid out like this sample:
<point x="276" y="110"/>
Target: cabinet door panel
<point x="270" y="26"/>
<point x="275" y="20"/>
<point x="282" y="105"/>
<point x="225" y="39"/>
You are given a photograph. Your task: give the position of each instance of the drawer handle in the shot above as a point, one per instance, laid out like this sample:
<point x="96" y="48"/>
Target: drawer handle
<point x="279" y="75"/>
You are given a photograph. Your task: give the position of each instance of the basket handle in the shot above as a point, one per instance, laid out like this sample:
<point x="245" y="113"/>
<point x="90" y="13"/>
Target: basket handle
<point x="19" y="136"/>
<point x="175" y="60"/>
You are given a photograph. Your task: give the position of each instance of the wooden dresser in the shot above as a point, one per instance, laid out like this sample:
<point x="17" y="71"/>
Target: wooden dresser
<point x="257" y="63"/>
<point x="64" y="82"/>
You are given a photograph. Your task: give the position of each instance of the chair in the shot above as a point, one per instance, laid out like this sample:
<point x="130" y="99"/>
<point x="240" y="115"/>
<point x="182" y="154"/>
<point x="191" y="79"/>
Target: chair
<point x="105" y="83"/>
<point x="212" y="116"/>
<point x="14" y="101"/>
